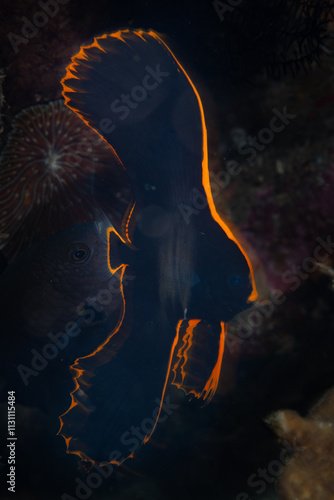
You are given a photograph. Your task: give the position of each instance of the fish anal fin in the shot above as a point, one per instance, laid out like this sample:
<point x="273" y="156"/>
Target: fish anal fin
<point x="198" y="358"/>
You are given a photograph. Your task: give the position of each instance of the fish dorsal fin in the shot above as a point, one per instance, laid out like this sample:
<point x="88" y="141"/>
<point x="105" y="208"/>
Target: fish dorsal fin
<point x="131" y="89"/>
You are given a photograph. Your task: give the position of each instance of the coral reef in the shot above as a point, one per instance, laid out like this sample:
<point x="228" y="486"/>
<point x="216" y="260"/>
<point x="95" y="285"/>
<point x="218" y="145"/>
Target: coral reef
<point x="308" y="474"/>
<point x="55" y="171"/>
<point x="36" y="45"/>
<point x="282" y="196"/>
<point x="286" y="223"/>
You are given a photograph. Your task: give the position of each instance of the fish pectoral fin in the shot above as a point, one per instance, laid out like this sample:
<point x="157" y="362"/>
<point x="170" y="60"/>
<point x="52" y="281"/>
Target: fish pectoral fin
<point x="198" y="357"/>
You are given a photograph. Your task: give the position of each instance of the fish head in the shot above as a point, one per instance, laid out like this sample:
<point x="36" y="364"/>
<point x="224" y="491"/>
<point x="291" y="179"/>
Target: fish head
<point x="58" y="279"/>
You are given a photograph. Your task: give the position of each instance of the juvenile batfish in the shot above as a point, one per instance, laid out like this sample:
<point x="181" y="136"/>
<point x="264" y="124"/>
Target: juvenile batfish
<point x="191" y="274"/>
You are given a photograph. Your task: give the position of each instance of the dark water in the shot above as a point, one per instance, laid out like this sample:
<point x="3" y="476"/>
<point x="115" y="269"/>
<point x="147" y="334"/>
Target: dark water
<point x="282" y="202"/>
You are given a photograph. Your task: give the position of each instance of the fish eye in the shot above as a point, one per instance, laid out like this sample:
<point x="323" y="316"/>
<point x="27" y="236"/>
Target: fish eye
<point x="79" y="254"/>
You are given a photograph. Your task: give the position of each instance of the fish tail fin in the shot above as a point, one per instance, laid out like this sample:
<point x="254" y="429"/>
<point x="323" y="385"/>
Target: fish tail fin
<point x="198" y="358"/>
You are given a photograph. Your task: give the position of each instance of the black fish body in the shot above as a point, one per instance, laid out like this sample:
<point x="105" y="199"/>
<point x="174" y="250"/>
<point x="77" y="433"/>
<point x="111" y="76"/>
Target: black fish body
<point x="151" y="115"/>
<point x="190" y="274"/>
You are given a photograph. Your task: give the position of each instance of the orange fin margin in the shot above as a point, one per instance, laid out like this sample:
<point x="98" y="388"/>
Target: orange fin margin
<point x="198" y="359"/>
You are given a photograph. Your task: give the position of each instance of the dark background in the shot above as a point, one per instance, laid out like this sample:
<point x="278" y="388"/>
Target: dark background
<point x="262" y="55"/>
